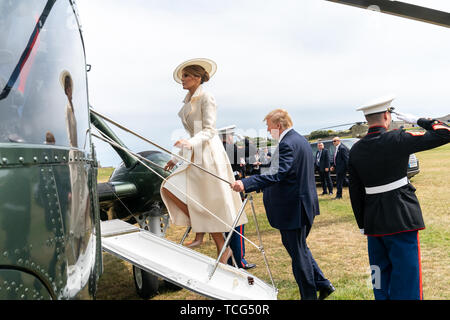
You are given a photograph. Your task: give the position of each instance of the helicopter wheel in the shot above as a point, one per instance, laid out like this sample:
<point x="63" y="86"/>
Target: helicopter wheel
<point x="146" y="283"/>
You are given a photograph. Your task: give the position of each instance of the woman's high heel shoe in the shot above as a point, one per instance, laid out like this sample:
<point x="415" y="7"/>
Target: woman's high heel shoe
<point x="194" y="244"/>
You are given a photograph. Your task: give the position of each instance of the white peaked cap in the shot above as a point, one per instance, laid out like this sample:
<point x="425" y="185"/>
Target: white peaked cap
<point x="226" y="130"/>
<point x="381" y="104"/>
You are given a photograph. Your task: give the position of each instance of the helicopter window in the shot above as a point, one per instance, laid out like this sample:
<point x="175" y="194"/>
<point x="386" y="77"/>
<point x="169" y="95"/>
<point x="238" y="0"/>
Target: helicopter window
<point x="43" y="91"/>
<point x="314" y="148"/>
<point x="17" y="23"/>
<point x="349" y="143"/>
<point x="329" y="145"/>
<point x="331" y="148"/>
<point x="326" y="144"/>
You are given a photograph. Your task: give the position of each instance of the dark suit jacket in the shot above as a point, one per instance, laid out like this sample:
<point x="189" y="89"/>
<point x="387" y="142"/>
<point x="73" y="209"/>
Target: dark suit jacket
<point x="288" y="185"/>
<point x="325" y="160"/>
<point x="341" y="161"/>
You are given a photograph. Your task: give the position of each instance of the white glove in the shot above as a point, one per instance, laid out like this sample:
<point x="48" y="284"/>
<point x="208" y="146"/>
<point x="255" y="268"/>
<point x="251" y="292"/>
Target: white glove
<point x="409" y="118"/>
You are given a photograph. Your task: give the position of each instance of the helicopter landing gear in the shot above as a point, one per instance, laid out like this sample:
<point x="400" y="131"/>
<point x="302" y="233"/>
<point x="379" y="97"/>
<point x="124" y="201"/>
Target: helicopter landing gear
<point x="155" y="221"/>
<point x="146" y="284"/>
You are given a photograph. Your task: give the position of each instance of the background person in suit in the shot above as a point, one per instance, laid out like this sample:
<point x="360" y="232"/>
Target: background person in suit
<point x="266" y="156"/>
<point x="290" y="200"/>
<point x="340" y="165"/>
<point x="323" y="164"/>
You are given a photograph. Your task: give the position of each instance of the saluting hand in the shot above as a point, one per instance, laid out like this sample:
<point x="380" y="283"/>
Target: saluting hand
<point x="409" y="118"/>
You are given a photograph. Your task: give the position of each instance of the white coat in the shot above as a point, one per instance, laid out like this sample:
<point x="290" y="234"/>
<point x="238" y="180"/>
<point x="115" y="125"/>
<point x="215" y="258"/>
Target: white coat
<point x="198" y="116"/>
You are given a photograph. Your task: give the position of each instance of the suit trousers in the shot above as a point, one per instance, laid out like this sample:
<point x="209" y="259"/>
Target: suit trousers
<point x="340" y="178"/>
<point x="307" y="273"/>
<point x="396" y="267"/>
<point x="326" y="182"/>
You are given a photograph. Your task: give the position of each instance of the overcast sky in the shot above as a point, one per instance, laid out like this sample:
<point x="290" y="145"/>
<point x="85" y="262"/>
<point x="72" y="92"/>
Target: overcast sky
<point x="317" y="59"/>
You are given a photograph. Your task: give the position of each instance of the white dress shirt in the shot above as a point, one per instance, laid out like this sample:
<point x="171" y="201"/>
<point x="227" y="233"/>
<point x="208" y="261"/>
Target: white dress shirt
<point x="284" y="133"/>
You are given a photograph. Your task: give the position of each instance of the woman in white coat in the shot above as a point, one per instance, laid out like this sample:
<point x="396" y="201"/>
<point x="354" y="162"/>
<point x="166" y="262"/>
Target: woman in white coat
<point x="194" y="197"/>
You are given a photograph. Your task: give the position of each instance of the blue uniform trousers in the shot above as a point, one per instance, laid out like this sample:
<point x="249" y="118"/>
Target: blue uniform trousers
<point x="237" y="245"/>
<point x="396" y="267"/>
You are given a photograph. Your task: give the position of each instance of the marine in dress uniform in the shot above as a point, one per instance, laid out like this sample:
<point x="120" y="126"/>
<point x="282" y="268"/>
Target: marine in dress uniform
<point x="237" y="243"/>
<point x="384" y="202"/>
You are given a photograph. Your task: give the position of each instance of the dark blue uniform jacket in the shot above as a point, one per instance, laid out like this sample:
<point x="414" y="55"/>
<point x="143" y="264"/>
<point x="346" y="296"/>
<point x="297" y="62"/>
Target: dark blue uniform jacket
<point x="380" y="158"/>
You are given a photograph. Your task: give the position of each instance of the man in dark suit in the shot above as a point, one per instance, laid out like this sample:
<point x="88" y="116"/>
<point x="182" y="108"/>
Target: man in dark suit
<point x="340" y="165"/>
<point x="290" y="200"/>
<point x="323" y="164"/>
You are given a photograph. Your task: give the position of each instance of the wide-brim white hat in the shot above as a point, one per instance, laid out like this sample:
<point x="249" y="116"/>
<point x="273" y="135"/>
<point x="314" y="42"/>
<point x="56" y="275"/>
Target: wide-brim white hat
<point x="209" y="65"/>
<point x="380" y="104"/>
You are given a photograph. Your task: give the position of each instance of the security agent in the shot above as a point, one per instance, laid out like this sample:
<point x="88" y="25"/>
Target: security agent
<point x="323" y="164"/>
<point x="384" y="202"/>
<point x="340" y="165"/>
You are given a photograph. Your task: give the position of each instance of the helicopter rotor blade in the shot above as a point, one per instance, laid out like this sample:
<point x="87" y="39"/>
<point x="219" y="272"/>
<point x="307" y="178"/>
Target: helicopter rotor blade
<point x="342" y="125"/>
<point x="402" y="9"/>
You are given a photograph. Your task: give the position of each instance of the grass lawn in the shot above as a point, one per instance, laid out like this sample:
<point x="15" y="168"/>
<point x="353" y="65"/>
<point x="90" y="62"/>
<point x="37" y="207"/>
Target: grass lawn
<point x="335" y="242"/>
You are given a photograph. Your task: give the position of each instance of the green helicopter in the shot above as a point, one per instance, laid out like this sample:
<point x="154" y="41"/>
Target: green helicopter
<point x="50" y="204"/>
<point x="51" y="207"/>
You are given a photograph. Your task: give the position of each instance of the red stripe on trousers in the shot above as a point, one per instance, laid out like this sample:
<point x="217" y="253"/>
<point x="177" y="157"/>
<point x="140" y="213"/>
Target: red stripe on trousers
<point x="242" y="245"/>
<point x="420" y="269"/>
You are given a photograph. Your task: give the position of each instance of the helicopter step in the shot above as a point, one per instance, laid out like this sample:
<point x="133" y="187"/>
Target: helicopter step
<point x="180" y="265"/>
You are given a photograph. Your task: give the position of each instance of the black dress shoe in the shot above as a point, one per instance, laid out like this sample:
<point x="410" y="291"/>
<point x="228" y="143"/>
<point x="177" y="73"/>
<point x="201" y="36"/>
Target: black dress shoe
<point x="323" y="193"/>
<point x="337" y="198"/>
<point x="326" y="291"/>
<point x="249" y="266"/>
